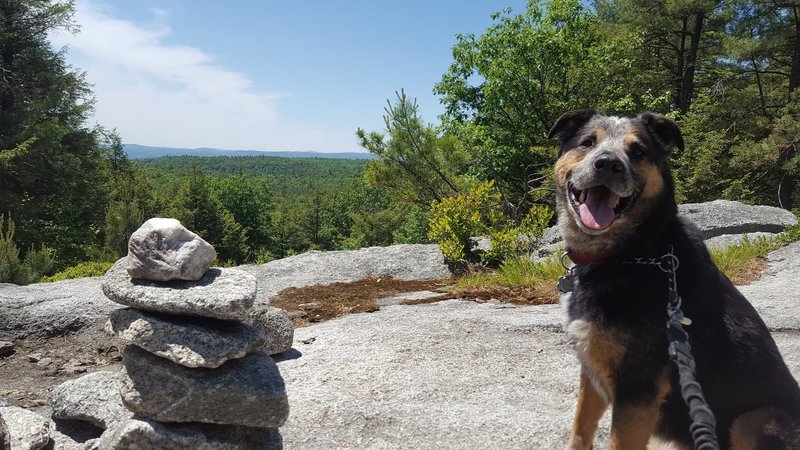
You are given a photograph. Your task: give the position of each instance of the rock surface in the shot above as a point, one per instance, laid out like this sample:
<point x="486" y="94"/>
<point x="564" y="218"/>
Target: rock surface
<point x="728" y="217"/>
<point x="52" y="309"/>
<point x="403" y="262"/>
<point x="163" y="249"/>
<point x="188" y="341"/>
<point x="5" y="440"/>
<point x="418" y="296"/>
<point x="138" y="434"/>
<point x="775" y="296"/>
<point x="247" y="391"/>
<point x="28" y="430"/>
<point x="458" y="374"/>
<point x="92" y="398"/>
<point x="220" y="293"/>
<point x="727" y="240"/>
<point x="276" y="326"/>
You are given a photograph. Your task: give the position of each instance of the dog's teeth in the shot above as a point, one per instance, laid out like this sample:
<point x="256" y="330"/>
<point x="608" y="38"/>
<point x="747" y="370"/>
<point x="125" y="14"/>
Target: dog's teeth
<point x="582" y="197"/>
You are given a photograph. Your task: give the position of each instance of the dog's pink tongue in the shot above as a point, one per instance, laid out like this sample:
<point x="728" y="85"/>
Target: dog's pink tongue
<point x="595" y="212"/>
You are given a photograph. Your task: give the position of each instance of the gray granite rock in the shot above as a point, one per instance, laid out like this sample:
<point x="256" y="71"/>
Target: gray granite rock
<point x="5" y="439"/>
<point x="139" y="434"/>
<point x="92" y="398"/>
<point x="402" y="262"/>
<point x="28" y="430"/>
<point x="220" y="293"/>
<point x="727" y="240"/>
<point x="276" y="326"/>
<point x="720" y="217"/>
<point x="188" y="341"/>
<point x="52" y="309"/>
<point x="247" y="391"/>
<point x="62" y="441"/>
<point x="163" y="249"/>
<point x="409" y="297"/>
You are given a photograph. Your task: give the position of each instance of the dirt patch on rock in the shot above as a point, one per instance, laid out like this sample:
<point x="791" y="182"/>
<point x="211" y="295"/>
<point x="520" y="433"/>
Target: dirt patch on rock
<point x="38" y="365"/>
<point x="318" y="303"/>
<point x="750" y="272"/>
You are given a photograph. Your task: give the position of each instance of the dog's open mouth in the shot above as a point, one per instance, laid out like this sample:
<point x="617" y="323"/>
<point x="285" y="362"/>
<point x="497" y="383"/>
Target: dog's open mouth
<point x="598" y="206"/>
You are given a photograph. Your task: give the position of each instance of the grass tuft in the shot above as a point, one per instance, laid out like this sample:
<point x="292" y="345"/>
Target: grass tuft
<point x="517" y="280"/>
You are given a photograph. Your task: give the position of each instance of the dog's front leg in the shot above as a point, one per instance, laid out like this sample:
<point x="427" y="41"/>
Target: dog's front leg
<point x="591" y="406"/>
<point x="632" y="426"/>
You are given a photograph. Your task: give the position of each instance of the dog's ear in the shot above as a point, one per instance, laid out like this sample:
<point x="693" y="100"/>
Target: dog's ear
<point x="569" y="123"/>
<point x="663" y="130"/>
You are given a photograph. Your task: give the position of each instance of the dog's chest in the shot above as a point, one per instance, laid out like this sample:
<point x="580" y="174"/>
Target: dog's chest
<point x="600" y="349"/>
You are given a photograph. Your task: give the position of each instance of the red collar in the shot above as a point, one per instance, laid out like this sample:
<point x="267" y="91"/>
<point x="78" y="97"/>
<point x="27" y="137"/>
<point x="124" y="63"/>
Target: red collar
<point x="587" y="258"/>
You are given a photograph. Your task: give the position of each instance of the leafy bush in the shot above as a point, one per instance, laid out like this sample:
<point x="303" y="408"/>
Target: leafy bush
<point x="454" y="220"/>
<point x="414" y="230"/>
<point x="80" y="270"/>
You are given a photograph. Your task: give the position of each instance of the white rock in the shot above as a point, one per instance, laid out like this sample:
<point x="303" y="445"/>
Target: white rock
<point x="163" y="250"/>
<point x="28" y="430"/>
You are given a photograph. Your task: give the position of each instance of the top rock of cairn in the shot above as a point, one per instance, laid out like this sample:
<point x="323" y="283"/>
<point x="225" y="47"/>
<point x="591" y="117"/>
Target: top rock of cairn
<point x="163" y="250"/>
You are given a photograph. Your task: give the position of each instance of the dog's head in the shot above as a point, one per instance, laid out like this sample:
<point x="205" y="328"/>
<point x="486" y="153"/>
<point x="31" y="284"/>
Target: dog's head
<point x="612" y="177"/>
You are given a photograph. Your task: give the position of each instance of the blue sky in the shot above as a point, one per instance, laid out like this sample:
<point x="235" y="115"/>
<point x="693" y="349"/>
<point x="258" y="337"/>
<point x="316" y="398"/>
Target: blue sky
<point x="264" y="75"/>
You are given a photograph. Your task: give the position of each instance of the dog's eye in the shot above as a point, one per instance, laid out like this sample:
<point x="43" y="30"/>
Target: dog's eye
<point x="636" y="151"/>
<point x="588" y="142"/>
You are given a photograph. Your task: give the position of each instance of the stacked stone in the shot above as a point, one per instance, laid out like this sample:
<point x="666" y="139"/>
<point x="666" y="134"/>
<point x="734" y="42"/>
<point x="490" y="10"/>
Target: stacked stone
<point x="193" y="376"/>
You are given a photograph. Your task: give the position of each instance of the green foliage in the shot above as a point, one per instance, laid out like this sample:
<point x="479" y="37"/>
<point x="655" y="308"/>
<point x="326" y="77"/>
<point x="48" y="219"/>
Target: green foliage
<point x="456" y="219"/>
<point x="250" y="202"/>
<point x="415" y="164"/>
<point x="199" y="210"/>
<point x="122" y="219"/>
<point x="37" y="262"/>
<point x="414" y="228"/>
<point x="80" y="270"/>
<point x="506" y="87"/>
<point x="286" y="177"/>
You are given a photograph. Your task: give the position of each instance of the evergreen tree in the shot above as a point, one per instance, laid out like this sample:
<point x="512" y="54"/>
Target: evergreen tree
<point x="52" y="170"/>
<point x="414" y="162"/>
<point x="201" y="211"/>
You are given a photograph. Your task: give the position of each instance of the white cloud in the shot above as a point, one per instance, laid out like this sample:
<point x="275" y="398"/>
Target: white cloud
<point x="173" y="95"/>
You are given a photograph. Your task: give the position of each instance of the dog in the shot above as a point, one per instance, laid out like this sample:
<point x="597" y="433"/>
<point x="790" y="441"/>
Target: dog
<point x="616" y="203"/>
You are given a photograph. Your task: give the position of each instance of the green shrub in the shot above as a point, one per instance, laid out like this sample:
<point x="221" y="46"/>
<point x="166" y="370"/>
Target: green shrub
<point x="454" y="220"/>
<point x="80" y="270"/>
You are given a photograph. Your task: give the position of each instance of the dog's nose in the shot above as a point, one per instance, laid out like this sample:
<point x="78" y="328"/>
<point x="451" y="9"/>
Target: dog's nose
<point x="608" y="162"/>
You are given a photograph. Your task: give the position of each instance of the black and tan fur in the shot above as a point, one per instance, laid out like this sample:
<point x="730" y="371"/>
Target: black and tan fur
<point x="616" y="314"/>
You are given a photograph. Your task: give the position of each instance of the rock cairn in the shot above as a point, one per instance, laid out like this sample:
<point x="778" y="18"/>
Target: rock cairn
<point x="192" y="376"/>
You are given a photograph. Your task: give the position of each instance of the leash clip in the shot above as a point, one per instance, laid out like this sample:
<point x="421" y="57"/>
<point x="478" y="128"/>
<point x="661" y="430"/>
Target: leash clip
<point x="566" y="282"/>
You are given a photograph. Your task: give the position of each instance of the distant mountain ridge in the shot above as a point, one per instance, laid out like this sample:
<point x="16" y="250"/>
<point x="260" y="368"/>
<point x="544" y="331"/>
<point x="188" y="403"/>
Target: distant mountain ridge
<point x="136" y="151"/>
